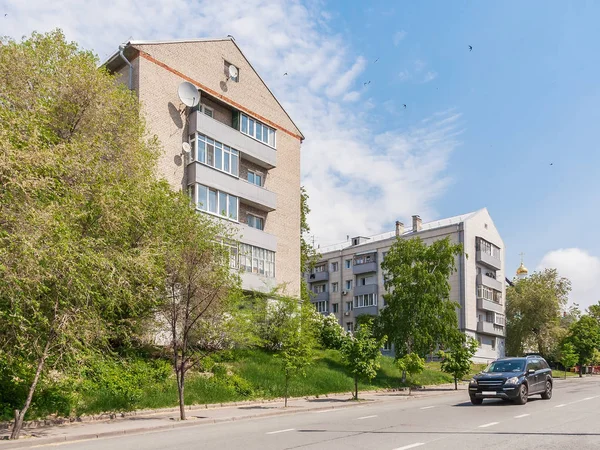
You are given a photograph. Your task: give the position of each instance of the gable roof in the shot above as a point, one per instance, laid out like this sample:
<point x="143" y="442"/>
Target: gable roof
<point x="115" y="61"/>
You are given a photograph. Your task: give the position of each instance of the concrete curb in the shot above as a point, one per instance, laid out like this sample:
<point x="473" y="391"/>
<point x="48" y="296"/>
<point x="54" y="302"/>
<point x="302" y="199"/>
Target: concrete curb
<point x="32" y="441"/>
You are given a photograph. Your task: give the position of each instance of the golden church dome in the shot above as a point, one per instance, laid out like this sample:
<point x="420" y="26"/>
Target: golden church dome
<point x="522" y="270"/>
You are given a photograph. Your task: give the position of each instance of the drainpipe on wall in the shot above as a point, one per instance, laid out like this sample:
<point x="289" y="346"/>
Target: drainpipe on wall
<point x="461" y="277"/>
<point x="121" y="49"/>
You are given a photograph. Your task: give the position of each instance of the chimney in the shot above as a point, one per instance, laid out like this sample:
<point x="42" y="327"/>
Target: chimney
<point x="399" y="228"/>
<point x="416" y="224"/>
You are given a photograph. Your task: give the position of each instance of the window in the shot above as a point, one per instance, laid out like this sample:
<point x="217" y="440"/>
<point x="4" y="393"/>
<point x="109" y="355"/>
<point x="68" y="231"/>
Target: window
<point x="363" y="259"/>
<point x="255" y="178"/>
<point x="335" y="307"/>
<point x="349" y="327"/>
<point x="348" y="285"/>
<point x="255" y="222"/>
<point x="335" y="267"/>
<point x="257" y="130"/>
<point x="335" y="287"/>
<point x="362" y="301"/>
<point x="216" y="202"/>
<point x="321" y="306"/>
<point x="257" y="260"/>
<point x="499" y="319"/>
<point x="348" y="263"/>
<point x="319" y="288"/>
<point x="493" y="343"/>
<point x="206" y="110"/>
<point x="489" y="294"/>
<point x="487" y="247"/>
<point x="387" y="346"/>
<point x="233" y="254"/>
<point x="348" y="306"/>
<point x="321" y="268"/>
<point x="215" y="154"/>
<point x="363" y="281"/>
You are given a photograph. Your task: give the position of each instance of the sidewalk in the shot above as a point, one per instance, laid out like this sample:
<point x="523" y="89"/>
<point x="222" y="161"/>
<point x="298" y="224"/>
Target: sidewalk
<point x="144" y="421"/>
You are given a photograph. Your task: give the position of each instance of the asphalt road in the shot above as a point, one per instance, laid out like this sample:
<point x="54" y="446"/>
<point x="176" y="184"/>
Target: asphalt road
<point x="571" y="419"/>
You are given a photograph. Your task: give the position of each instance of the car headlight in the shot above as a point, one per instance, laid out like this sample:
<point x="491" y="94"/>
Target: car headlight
<point x="473" y="381"/>
<point x="513" y="380"/>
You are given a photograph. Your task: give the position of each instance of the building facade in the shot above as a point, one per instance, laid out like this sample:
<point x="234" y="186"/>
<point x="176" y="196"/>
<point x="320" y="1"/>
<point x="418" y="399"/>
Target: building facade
<point x="243" y="163"/>
<point x="348" y="280"/>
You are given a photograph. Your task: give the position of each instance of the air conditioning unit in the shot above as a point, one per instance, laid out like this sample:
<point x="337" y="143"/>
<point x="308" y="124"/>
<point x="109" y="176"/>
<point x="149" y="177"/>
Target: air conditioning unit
<point x="347" y="313"/>
<point x="344" y="292"/>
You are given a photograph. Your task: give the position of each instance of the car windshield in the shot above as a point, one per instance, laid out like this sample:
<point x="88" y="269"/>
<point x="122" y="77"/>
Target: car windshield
<point x="505" y="366"/>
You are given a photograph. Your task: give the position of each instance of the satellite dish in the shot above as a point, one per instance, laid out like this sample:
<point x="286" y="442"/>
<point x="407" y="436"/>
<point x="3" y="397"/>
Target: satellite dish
<point x="233" y="71"/>
<point x="186" y="147"/>
<point x="188" y="94"/>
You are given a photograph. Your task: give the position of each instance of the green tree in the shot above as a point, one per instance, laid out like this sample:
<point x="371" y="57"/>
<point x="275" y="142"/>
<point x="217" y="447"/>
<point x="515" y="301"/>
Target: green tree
<point x="594" y="311"/>
<point x="584" y="335"/>
<point x="289" y="328"/>
<point x="362" y="353"/>
<point x="411" y="364"/>
<point x="457" y="361"/>
<point x="308" y="254"/>
<point x="419" y="315"/>
<point x="567" y="356"/>
<point x="533" y="311"/>
<point x="200" y="286"/>
<point x="78" y="236"/>
<point x="331" y="333"/>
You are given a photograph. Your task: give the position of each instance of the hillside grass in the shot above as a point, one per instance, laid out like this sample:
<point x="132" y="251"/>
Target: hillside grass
<point x="143" y="383"/>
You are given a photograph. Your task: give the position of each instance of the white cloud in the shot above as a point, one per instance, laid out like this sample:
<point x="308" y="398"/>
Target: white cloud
<point x="398" y="37"/>
<point x="360" y="180"/>
<point x="581" y="268"/>
<point x="429" y="76"/>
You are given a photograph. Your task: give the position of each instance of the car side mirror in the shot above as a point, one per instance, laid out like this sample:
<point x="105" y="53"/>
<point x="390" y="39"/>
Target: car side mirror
<point x="530" y="371"/>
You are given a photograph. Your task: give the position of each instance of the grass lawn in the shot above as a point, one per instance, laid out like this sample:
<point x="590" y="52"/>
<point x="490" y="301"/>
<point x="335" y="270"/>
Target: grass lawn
<point x="561" y="374"/>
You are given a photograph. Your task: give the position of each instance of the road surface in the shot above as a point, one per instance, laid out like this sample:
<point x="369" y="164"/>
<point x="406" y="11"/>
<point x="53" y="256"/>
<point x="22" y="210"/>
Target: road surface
<point x="571" y="419"/>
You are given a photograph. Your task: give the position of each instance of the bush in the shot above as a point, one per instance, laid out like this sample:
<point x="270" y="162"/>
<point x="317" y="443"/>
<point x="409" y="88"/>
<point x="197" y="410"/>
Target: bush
<point x="219" y="370"/>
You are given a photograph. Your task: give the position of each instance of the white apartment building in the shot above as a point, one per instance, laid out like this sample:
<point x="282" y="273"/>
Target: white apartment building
<point x="348" y="280"/>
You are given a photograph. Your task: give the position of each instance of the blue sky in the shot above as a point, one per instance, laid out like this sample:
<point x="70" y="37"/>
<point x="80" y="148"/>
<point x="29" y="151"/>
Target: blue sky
<point x="480" y="129"/>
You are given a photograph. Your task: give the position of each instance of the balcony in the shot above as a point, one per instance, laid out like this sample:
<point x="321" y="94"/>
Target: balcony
<point x="320" y="297"/>
<point x="488" y="305"/>
<point x="488" y="260"/>
<point x="490" y="328"/>
<point x="318" y="276"/>
<point x="255" y="282"/>
<point x="253" y="150"/>
<point x="368" y="310"/>
<point x="366" y="289"/>
<point x="256" y="237"/>
<point x="251" y="194"/>
<point x="490" y="282"/>
<point x="364" y="268"/>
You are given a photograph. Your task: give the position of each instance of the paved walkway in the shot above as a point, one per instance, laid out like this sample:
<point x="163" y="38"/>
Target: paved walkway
<point x="198" y="415"/>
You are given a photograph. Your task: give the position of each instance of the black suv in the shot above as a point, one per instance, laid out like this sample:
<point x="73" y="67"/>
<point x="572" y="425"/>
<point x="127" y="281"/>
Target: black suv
<point x="513" y="379"/>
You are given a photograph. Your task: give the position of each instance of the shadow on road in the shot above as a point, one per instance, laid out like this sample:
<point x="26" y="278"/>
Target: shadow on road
<point x="468" y="432"/>
<point x="495" y="402"/>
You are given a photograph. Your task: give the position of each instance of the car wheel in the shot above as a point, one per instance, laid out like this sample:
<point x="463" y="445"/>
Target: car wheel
<point x="522" y="398"/>
<point x="476" y="401"/>
<point x="547" y="394"/>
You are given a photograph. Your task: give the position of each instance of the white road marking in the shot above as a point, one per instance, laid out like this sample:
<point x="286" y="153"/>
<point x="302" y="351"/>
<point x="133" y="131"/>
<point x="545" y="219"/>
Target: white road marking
<point x="406" y="447"/>
<point x="522" y="415"/>
<point x="366" y="417"/>
<point x="560" y="406"/>
<point x="281" y="431"/>
<point x="327" y="410"/>
<point x="427" y="407"/>
<point x="590" y="398"/>
<point x="489" y="424"/>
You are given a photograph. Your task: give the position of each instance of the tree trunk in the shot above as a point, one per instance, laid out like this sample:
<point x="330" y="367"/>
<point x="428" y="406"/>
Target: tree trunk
<point x="403" y="376"/>
<point x="21" y="415"/>
<point x="181" y="389"/>
<point x="355" y="387"/>
<point x="455" y="384"/>
<point x="565" y="373"/>
<point x="285" y="397"/>
<point x="580" y="370"/>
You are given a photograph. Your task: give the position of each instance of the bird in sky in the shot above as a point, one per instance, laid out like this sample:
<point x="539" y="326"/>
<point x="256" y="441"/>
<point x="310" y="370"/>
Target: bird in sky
<point x="404" y="105"/>
<point x="366" y="82"/>
<point x="470" y="48"/>
<point x="375" y="60"/>
<point x="285" y="74"/>
<point x="551" y="164"/>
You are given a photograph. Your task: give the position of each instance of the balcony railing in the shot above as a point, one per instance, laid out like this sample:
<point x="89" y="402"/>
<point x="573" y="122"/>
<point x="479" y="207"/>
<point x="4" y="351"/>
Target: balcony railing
<point x="490" y="282"/>
<point x="490" y="328"/>
<point x="357" y="269"/>
<point x="488" y="305"/>
<point x="488" y="260"/>
<point x="253" y="150"/>
<point x="318" y="276"/>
